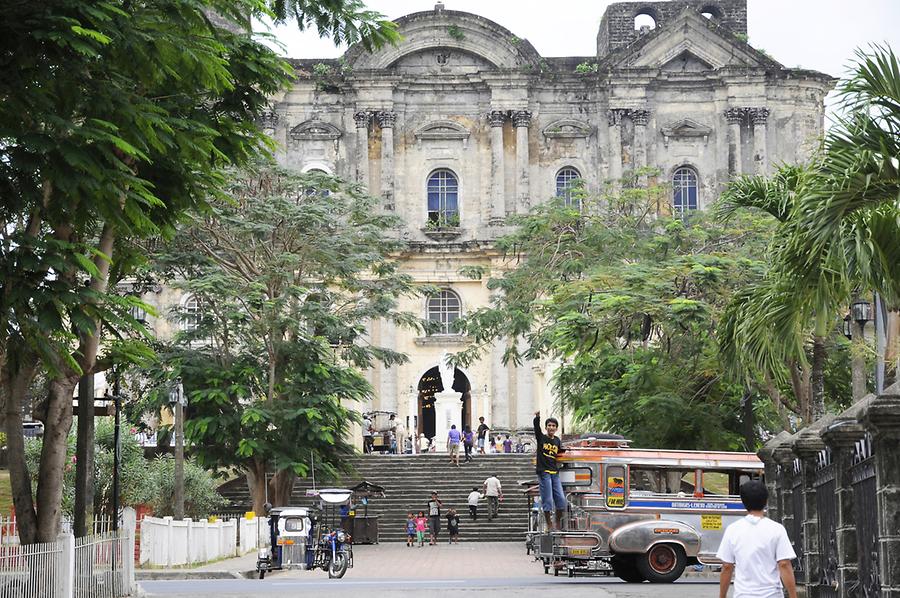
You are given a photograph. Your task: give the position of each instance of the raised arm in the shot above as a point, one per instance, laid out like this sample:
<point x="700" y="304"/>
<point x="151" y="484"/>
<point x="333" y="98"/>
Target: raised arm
<point x="538" y="435"/>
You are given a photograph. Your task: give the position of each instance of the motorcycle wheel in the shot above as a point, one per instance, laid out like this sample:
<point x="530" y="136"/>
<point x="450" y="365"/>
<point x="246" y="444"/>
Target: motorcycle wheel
<point x="262" y="573"/>
<point x="338" y="566"/>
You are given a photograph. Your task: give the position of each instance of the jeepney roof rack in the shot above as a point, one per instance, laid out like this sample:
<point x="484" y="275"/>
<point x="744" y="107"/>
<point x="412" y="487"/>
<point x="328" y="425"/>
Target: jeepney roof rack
<point x="599" y="440"/>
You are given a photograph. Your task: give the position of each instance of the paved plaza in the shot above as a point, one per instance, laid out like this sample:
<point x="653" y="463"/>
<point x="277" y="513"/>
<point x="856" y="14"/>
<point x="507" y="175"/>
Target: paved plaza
<point x="475" y="569"/>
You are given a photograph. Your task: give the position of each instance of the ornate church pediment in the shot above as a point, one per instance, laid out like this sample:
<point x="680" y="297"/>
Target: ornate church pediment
<point x="693" y="41"/>
<point x="442" y="130"/>
<point x="315" y="130"/>
<point x="566" y="128"/>
<point x="685" y="129"/>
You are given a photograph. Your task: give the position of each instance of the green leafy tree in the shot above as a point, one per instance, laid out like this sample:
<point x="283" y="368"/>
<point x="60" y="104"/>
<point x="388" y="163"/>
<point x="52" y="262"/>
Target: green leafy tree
<point x="288" y="272"/>
<point x="627" y="299"/>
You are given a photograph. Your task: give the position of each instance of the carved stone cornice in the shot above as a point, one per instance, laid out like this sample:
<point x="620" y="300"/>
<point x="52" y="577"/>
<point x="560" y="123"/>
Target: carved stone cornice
<point x="640" y="117"/>
<point x="614" y="115"/>
<point x="808" y="444"/>
<point x="734" y="116"/>
<point x="883" y="415"/>
<point x="386" y="119"/>
<point x="521" y="118"/>
<point x="843" y="433"/>
<point x="758" y="116"/>
<point x="496" y="118"/>
<point x="362" y="119"/>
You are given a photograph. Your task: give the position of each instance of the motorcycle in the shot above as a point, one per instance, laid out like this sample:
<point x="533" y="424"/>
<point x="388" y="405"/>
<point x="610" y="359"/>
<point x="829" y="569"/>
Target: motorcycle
<point x="301" y="538"/>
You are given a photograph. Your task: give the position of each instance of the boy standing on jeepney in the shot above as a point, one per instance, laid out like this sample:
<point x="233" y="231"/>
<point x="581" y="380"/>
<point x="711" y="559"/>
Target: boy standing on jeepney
<point x="547" y="469"/>
<point x="756" y="551"/>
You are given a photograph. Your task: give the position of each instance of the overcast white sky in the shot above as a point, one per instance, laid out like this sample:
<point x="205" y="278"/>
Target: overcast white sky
<point x="814" y="34"/>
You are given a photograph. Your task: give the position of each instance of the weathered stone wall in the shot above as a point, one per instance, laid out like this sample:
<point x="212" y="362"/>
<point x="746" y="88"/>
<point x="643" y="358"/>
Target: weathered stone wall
<point x="617" y="25"/>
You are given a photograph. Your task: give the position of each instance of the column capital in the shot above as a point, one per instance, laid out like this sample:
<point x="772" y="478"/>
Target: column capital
<point x="496" y="118"/>
<point x="386" y="119"/>
<point x="808" y="444"/>
<point x="614" y="115"/>
<point x="640" y="117"/>
<point x="758" y="115"/>
<point x="268" y="119"/>
<point x="883" y="415"/>
<point x="521" y="118"/>
<point x="843" y="433"/>
<point x="362" y="119"/>
<point x="734" y="116"/>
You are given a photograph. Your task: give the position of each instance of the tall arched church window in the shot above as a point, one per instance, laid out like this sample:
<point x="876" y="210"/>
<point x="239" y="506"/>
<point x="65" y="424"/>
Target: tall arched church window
<point x="566" y="181"/>
<point x="445" y="309"/>
<point x="443" y="198"/>
<point x="684" y="190"/>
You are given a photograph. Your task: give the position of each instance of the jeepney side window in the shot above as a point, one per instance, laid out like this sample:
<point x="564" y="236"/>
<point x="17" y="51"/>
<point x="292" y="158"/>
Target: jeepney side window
<point x="721" y="483"/>
<point x="644" y="481"/>
<point x="661" y="481"/>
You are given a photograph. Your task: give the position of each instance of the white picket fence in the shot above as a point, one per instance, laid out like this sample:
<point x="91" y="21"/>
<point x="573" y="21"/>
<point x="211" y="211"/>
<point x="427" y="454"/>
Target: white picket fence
<point x="95" y="566"/>
<point x="249" y="533"/>
<point x="169" y="542"/>
<point x="9" y="533"/>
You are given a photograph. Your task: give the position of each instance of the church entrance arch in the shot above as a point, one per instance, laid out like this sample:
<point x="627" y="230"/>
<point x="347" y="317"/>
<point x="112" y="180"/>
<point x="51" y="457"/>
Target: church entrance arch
<point x="429" y="385"/>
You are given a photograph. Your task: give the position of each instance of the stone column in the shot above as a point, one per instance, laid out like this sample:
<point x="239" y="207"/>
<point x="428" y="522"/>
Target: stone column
<point x="883" y="418"/>
<point x="525" y="405"/>
<point x="640" y="118"/>
<point x="784" y="456"/>
<point x="386" y="122"/>
<point x="522" y="120"/>
<point x="767" y="455"/>
<point x="614" y="118"/>
<point x="841" y="436"/>
<point x="807" y="447"/>
<point x="500" y="387"/>
<point x="362" y="120"/>
<point x="758" y="117"/>
<point x="496" y="118"/>
<point x="388" y="382"/>
<point x="734" y="117"/>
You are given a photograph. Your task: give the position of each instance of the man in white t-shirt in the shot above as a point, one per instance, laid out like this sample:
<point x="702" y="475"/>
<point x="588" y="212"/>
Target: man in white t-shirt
<point x="756" y="551"/>
<point x="494" y="493"/>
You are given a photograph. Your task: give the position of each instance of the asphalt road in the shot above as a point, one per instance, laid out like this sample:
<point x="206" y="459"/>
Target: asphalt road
<point x="349" y="587"/>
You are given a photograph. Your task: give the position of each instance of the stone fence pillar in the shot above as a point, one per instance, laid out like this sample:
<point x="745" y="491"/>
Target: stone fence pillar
<point x="807" y="446"/>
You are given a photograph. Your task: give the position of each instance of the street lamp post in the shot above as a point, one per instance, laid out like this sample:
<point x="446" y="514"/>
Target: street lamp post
<point x="117" y="448"/>
<point x="176" y="399"/>
<point x="854" y="329"/>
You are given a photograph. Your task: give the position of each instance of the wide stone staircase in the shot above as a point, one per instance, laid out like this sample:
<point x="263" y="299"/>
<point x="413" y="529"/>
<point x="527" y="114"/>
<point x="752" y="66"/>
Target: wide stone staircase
<point x="408" y="481"/>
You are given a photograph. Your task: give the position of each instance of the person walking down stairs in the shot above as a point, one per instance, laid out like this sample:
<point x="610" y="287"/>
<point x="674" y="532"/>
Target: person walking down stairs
<point x="494" y="493"/>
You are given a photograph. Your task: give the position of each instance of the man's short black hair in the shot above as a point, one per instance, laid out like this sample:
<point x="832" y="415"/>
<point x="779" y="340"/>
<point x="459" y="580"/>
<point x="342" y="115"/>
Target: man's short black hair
<point x="481" y="419"/>
<point x="474" y="489"/>
<point x="453" y="427"/>
<point x="754" y="495"/>
<point x="551" y="420"/>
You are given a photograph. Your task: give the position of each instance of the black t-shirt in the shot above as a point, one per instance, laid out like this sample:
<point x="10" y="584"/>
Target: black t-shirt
<point x="482" y="430"/>
<point x="453" y="522"/>
<point x="547" y="449"/>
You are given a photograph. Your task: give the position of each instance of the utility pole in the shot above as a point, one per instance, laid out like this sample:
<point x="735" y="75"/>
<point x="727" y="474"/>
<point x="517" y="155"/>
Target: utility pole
<point x="177" y="397"/>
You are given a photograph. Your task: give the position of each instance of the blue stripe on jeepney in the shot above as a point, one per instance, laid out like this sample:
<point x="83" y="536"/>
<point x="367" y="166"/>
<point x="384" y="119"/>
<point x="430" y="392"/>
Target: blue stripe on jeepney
<point x="692" y="505"/>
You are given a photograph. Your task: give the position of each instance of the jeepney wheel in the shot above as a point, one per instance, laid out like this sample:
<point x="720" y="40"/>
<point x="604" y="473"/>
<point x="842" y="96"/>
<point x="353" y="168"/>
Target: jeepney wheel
<point x="625" y="568"/>
<point x="663" y="563"/>
<point x="338" y="566"/>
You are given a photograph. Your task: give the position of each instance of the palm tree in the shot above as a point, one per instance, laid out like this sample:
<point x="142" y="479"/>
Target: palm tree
<point x="840" y="230"/>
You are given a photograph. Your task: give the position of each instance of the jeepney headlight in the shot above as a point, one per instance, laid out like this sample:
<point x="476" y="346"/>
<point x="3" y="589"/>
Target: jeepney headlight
<point x="341" y="537"/>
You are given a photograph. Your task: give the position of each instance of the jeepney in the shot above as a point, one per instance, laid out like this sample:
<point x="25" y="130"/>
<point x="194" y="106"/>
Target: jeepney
<point x="643" y="514"/>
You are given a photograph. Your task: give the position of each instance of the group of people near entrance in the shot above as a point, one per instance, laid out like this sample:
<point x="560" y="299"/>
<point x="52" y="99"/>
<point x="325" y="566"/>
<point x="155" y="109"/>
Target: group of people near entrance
<point x="486" y="442"/>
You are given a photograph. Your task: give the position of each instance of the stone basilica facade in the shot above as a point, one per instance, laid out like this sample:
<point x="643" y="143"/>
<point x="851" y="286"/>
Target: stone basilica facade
<point x="464" y="123"/>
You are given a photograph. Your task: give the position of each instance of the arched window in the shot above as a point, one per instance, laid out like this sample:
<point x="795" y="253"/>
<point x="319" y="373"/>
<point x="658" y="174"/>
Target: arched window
<point x="566" y="181"/>
<point x="312" y="190"/>
<point x="190" y="314"/>
<point x="443" y="198"/>
<point x="644" y="21"/>
<point x="445" y="308"/>
<point x="684" y="190"/>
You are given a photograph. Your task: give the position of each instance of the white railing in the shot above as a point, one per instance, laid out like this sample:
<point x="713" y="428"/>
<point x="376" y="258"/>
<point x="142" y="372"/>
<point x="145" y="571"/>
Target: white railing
<point x="37" y="570"/>
<point x="104" y="565"/>
<point x="9" y="530"/>
<point x="95" y="566"/>
<point x="169" y="542"/>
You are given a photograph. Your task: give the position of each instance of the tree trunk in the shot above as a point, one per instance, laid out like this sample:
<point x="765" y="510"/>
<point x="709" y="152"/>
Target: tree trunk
<point x="15" y="386"/>
<point x="53" y="457"/>
<point x="780" y="405"/>
<point x="256" y="482"/>
<point x="749" y="421"/>
<point x="819" y="355"/>
<point x="800" y="386"/>
<point x="84" y="458"/>
<point x="282" y="485"/>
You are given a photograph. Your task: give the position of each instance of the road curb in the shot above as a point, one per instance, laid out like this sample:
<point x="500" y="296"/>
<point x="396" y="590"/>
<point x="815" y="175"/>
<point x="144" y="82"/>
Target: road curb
<point x="178" y="575"/>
